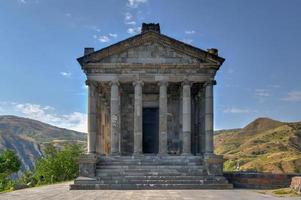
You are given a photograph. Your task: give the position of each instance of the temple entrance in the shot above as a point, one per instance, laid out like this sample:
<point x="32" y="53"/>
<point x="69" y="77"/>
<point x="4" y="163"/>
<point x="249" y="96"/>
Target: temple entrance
<point x="150" y="130"/>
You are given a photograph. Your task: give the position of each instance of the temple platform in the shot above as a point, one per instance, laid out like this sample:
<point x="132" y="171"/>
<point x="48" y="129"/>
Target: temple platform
<point x="151" y="172"/>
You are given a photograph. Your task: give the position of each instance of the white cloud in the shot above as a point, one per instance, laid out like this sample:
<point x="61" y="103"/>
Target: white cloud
<point x="293" y="96"/>
<point x="262" y="93"/>
<point x="113" y="35"/>
<point x="134" y="30"/>
<point x="75" y="121"/>
<point x="66" y="74"/>
<point x="103" y="38"/>
<point x="187" y="40"/>
<point x="135" y="3"/>
<point x="27" y="1"/>
<point x="128" y="16"/>
<point x="235" y="110"/>
<point x="131" y="23"/>
<point x="190" y="32"/>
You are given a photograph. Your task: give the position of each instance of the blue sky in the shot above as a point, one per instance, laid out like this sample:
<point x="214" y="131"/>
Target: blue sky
<point x="41" y="39"/>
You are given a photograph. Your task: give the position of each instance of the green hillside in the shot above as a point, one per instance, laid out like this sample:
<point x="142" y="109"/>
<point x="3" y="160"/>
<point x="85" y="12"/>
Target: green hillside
<point x="264" y="145"/>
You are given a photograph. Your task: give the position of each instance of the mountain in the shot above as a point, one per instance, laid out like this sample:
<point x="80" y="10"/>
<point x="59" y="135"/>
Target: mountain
<point x="263" y="145"/>
<point x="27" y="137"/>
<point x="36" y="130"/>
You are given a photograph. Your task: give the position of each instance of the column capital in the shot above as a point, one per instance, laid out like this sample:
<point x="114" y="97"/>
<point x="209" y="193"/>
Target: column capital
<point x="186" y="82"/>
<point x="163" y="83"/>
<point x="138" y="82"/>
<point x="91" y="83"/>
<point x="211" y="82"/>
<point x="114" y="82"/>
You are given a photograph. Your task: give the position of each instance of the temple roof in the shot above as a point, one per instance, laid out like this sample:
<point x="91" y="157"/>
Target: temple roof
<point x="151" y="33"/>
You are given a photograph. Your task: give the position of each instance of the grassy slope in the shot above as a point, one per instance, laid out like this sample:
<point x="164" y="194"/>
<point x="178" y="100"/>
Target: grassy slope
<point x="264" y="145"/>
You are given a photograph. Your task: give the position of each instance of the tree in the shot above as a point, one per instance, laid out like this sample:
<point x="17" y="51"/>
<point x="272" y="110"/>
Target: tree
<point x="57" y="166"/>
<point x="9" y="163"/>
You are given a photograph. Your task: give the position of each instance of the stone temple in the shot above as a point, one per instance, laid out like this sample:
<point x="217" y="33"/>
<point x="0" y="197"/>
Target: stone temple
<point x="150" y="115"/>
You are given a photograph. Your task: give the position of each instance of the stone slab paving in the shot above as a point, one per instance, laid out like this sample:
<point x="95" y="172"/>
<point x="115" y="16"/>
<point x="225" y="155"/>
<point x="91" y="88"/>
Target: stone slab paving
<point x="61" y="191"/>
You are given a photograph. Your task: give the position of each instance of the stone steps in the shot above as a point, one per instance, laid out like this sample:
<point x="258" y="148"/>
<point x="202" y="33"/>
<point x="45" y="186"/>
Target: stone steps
<point x="148" y="186"/>
<point x="157" y="181"/>
<point x="150" y="160"/>
<point x="151" y="172"/>
<point x="143" y="177"/>
<point x="103" y="174"/>
<point x="157" y="167"/>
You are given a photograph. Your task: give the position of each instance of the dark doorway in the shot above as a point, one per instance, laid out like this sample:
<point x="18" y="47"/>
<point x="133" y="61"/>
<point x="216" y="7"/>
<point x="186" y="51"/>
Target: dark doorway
<point x="150" y="130"/>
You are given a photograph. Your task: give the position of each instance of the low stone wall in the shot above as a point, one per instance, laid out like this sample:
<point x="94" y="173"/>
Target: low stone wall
<point x="256" y="180"/>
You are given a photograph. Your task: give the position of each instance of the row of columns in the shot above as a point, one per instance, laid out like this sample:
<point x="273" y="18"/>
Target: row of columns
<point x="138" y="85"/>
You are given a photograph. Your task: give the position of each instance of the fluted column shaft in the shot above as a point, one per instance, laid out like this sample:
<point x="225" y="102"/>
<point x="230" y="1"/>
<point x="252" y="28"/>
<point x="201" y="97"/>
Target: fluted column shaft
<point x="186" y="117"/>
<point x="163" y="118"/>
<point x="92" y="120"/>
<point x="138" y="117"/>
<point x="115" y="118"/>
<point x="209" y="117"/>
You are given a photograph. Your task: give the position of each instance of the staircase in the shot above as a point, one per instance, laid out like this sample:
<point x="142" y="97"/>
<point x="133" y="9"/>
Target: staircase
<point x="151" y="172"/>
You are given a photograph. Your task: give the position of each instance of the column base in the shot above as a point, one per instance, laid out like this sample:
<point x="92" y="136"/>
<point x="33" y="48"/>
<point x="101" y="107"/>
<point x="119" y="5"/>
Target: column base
<point x="186" y="154"/>
<point x="136" y="154"/>
<point x="115" y="154"/>
<point x="213" y="163"/>
<point x="87" y="165"/>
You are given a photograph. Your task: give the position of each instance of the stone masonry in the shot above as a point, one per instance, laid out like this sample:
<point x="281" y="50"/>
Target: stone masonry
<point x="150" y="115"/>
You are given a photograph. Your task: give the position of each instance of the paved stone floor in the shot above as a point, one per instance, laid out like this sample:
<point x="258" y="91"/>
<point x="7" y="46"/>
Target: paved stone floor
<point x="60" y="191"/>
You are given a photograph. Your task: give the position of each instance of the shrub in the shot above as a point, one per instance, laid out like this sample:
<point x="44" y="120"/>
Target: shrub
<point x="56" y="166"/>
<point x="27" y="180"/>
<point x="9" y="164"/>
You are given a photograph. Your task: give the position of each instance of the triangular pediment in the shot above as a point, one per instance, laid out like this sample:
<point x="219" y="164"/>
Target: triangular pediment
<point x="151" y="52"/>
<point x="151" y="48"/>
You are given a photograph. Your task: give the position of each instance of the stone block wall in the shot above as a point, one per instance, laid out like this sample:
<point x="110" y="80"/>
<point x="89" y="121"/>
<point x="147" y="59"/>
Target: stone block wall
<point x="257" y="180"/>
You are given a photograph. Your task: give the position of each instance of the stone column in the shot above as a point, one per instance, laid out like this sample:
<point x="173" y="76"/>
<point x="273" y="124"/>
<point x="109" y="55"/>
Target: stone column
<point x="92" y="120"/>
<point x="163" y="118"/>
<point x="186" y="117"/>
<point x="115" y="118"/>
<point x="209" y="117"/>
<point x="138" y="118"/>
<point x="99" y="135"/>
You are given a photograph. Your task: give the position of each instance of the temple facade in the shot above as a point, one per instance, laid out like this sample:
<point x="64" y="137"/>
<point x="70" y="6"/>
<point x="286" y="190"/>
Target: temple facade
<point x="150" y="115"/>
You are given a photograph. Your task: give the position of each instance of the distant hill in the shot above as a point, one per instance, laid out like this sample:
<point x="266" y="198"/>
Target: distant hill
<point x="27" y="137"/>
<point x="263" y="145"/>
<point x="36" y="130"/>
